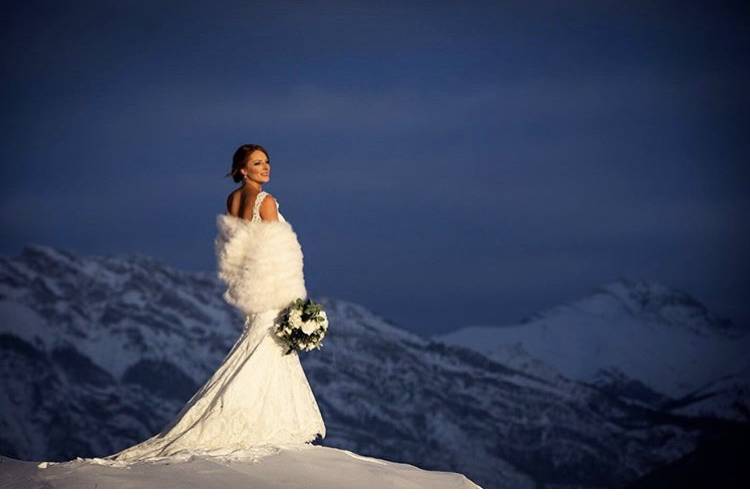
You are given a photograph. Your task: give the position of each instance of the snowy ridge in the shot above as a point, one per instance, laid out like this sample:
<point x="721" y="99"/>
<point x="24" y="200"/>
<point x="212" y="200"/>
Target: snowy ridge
<point x="305" y="467"/>
<point x="79" y="333"/>
<point x="660" y="337"/>
<point x="105" y="306"/>
<point x="728" y="396"/>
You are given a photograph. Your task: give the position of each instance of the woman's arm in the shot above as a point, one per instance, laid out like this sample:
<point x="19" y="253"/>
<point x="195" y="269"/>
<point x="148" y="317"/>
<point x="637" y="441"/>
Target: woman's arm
<point x="268" y="209"/>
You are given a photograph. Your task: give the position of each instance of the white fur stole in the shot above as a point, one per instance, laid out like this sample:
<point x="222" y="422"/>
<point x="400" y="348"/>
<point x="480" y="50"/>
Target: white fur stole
<point x="260" y="262"/>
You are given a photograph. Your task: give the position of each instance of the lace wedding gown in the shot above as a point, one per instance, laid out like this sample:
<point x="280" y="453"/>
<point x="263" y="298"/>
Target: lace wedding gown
<point x="258" y="400"/>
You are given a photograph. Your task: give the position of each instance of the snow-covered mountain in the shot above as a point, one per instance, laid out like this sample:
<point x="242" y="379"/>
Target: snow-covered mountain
<point x="97" y="353"/>
<point x="633" y="336"/>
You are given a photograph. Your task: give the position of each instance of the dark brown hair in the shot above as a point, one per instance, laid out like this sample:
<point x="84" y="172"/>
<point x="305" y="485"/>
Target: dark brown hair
<point x="239" y="160"/>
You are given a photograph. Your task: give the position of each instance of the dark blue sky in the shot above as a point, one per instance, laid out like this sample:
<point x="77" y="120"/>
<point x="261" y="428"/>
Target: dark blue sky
<point x="444" y="164"/>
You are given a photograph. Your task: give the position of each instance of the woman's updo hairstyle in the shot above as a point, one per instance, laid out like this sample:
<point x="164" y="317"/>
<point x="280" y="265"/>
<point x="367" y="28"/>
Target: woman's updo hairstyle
<point x="239" y="160"/>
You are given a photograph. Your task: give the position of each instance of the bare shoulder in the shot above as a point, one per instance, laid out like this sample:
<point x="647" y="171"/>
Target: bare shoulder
<point x="268" y="208"/>
<point x="269" y="198"/>
<point x="233" y="202"/>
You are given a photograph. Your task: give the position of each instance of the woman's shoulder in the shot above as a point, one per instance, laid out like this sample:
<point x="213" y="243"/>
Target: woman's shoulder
<point x="268" y="198"/>
<point x="234" y="194"/>
<point x="269" y="207"/>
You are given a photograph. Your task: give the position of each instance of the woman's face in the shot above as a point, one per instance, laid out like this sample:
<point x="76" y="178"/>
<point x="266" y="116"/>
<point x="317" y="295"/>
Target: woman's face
<point x="258" y="167"/>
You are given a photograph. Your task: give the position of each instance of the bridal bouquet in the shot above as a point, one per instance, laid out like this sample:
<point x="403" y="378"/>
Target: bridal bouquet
<point x="303" y="326"/>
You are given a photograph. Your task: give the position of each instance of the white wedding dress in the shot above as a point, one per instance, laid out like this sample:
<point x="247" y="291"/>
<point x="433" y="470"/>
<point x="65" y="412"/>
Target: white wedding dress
<point x="257" y="402"/>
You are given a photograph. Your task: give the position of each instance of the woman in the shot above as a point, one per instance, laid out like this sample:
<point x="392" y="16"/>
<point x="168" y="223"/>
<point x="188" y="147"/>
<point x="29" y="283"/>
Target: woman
<point x="259" y="402"/>
<point x="259" y="399"/>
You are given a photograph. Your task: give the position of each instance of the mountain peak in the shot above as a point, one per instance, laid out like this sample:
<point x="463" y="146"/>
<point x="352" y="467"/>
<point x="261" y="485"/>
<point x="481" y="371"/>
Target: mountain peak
<point x="46" y="252"/>
<point x="648" y="301"/>
<point x="657" y="302"/>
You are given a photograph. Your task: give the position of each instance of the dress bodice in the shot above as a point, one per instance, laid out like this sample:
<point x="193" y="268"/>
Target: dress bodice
<point x="256" y="207"/>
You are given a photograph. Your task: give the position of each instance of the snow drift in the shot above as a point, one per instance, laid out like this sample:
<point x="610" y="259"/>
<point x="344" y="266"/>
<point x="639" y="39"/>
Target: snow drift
<point x="304" y="466"/>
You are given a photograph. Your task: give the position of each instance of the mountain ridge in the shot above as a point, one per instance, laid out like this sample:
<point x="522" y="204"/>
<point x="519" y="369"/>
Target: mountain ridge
<point x="383" y="391"/>
<point x="658" y="336"/>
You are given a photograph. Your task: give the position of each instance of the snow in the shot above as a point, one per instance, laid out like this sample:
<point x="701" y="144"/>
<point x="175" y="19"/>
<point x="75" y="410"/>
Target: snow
<point x="300" y="466"/>
<point x="662" y="341"/>
<point x="730" y="394"/>
<point x="388" y="392"/>
<point x="25" y="323"/>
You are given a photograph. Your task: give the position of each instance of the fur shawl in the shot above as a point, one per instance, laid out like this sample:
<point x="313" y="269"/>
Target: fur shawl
<point x="260" y="263"/>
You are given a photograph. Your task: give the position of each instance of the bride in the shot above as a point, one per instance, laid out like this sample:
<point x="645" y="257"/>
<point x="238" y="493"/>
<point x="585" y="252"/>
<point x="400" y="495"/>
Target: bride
<point x="259" y="402"/>
<point x="259" y="398"/>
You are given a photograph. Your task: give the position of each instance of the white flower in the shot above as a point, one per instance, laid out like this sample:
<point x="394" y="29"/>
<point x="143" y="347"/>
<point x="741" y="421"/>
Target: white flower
<point x="309" y="326"/>
<point x="295" y="318"/>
